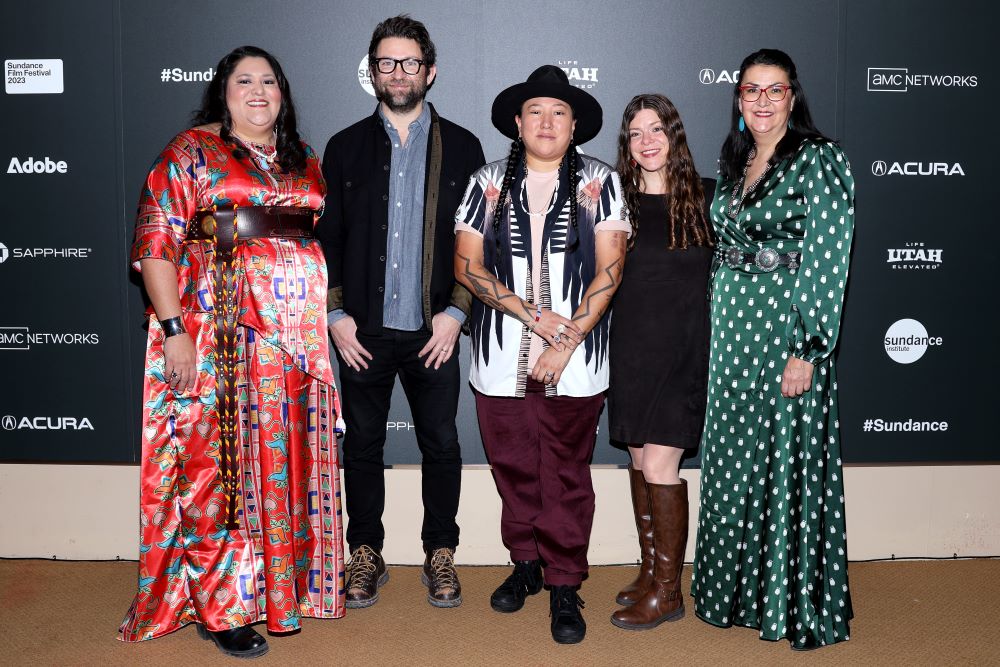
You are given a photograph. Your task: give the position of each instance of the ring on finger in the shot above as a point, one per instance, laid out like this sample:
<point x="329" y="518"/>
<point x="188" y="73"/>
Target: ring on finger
<point x="557" y="338"/>
<point x="561" y="329"/>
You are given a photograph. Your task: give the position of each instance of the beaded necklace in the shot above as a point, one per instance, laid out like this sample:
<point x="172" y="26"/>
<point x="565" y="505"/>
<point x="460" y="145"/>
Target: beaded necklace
<point x="739" y="194"/>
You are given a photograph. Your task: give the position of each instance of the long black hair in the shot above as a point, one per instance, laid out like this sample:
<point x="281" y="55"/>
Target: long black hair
<point x="291" y="154"/>
<point x="737" y="146"/>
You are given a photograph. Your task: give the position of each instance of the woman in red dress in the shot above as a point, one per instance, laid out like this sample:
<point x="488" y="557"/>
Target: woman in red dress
<point x="240" y="490"/>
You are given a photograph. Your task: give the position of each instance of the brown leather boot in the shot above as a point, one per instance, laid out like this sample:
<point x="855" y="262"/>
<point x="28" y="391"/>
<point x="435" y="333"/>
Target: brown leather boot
<point x="663" y="601"/>
<point x="644" y="525"/>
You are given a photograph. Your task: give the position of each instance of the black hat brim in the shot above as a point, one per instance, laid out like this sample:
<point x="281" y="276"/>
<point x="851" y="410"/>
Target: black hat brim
<point x="587" y="111"/>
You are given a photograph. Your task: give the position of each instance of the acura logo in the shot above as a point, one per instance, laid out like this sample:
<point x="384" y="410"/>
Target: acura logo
<point x="879" y="167"/>
<point x="707" y="75"/>
<point x="9" y="423"/>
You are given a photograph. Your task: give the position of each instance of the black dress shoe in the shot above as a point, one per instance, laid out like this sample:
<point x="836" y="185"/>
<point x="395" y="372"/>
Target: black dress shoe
<point x="525" y="580"/>
<point x="242" y="642"/>
<point x="366" y="573"/>
<point x="568" y="626"/>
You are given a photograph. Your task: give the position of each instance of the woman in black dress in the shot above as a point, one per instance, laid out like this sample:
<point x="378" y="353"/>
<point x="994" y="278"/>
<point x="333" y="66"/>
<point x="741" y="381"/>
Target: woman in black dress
<point x="659" y="347"/>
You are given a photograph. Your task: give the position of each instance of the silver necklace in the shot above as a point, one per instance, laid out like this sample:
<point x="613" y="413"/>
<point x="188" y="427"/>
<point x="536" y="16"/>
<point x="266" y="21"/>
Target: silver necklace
<point x="265" y="161"/>
<point x="523" y="197"/>
<point x="739" y="193"/>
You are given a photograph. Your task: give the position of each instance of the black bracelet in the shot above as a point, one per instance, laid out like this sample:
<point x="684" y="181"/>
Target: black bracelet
<point x="172" y="326"/>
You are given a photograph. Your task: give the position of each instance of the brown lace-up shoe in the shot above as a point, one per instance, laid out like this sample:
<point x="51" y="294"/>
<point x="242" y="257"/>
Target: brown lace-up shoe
<point x="366" y="573"/>
<point x="441" y="579"/>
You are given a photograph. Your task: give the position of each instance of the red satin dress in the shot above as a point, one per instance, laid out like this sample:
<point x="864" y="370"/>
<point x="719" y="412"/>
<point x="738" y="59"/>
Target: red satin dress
<point x="285" y="560"/>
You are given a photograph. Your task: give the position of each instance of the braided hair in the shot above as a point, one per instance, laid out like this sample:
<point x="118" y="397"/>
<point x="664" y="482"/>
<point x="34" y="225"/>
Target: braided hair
<point x="513" y="162"/>
<point x="570" y="161"/>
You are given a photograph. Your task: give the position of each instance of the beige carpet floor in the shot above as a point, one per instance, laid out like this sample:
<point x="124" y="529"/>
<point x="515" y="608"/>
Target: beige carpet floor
<point x="906" y="613"/>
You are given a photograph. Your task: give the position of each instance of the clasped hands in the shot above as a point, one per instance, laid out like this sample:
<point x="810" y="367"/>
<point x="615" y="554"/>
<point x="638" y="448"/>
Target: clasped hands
<point x="563" y="335"/>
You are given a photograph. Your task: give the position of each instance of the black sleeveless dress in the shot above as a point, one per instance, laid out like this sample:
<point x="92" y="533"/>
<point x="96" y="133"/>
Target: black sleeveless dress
<point x="659" y="336"/>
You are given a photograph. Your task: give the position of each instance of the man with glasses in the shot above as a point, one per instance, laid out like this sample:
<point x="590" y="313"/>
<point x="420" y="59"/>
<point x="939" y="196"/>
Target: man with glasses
<point x="395" y="180"/>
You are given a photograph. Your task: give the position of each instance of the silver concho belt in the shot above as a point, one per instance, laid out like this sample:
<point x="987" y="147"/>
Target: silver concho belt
<point x="765" y="259"/>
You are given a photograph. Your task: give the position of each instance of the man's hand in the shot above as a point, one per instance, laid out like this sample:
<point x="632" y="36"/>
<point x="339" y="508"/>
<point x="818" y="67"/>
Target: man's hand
<point x="345" y="337"/>
<point x="444" y="338"/>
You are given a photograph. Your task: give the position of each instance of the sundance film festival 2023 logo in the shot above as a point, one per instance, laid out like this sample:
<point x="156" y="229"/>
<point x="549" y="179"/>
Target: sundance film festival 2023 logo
<point x="883" y="168"/>
<point x="915" y="256"/>
<point x="33" y="77"/>
<point x="907" y="340"/>
<point x="900" y="80"/>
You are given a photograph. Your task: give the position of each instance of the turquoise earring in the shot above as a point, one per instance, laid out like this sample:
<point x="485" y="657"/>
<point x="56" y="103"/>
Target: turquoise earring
<point x="742" y="124"/>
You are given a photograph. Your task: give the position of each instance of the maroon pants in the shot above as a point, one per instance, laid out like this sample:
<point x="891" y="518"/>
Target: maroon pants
<point x="540" y="450"/>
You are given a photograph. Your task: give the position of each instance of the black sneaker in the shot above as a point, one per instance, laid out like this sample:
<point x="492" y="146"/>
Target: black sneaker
<point x="525" y="580"/>
<point x="568" y="626"/>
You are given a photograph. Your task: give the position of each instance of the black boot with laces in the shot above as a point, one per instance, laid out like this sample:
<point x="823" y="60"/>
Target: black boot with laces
<point x="525" y="580"/>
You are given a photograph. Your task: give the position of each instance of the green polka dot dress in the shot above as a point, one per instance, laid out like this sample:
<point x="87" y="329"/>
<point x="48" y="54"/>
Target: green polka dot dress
<point x="771" y="552"/>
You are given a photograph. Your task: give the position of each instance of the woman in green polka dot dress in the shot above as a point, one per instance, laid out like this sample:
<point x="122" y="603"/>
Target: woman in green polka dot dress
<point x="771" y="551"/>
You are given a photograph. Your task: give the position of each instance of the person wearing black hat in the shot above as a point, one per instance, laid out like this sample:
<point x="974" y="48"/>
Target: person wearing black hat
<point x="540" y="241"/>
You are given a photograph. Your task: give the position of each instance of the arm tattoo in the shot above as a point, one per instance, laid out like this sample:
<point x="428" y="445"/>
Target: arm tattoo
<point x="488" y="289"/>
<point x="599" y="294"/>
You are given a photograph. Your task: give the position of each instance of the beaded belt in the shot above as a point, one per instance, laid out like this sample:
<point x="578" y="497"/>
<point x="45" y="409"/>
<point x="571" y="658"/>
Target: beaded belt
<point x="765" y="259"/>
<point x="223" y="229"/>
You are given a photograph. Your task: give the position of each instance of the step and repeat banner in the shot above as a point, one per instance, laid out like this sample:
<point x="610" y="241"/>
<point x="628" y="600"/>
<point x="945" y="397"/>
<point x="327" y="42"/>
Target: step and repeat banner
<point x="94" y="90"/>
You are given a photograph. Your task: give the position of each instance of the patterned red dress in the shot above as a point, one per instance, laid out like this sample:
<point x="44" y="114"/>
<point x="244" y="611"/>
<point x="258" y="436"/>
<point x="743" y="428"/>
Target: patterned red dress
<point x="285" y="560"/>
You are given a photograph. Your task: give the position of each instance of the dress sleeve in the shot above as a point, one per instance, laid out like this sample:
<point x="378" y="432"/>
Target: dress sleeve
<point x="818" y="294"/>
<point x="167" y="202"/>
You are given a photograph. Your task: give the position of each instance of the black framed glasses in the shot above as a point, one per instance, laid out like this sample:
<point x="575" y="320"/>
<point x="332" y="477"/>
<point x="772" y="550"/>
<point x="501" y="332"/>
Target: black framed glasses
<point x="775" y="92"/>
<point x="388" y="65"/>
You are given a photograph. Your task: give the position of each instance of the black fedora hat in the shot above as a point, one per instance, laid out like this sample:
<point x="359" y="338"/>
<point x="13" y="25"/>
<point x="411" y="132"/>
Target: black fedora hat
<point x="548" y="81"/>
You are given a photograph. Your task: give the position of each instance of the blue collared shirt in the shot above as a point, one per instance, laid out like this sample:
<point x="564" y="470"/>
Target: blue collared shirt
<point x="402" y="307"/>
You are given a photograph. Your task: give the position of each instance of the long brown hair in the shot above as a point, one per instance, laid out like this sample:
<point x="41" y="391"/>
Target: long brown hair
<point x="686" y="196"/>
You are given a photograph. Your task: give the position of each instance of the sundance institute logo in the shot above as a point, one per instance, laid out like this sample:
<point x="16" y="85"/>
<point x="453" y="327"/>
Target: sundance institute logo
<point x="365" y="76"/>
<point x="907" y="340"/>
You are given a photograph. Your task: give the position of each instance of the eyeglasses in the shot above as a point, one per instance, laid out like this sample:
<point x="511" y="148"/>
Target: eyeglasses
<point x="775" y="92"/>
<point x="388" y="65"/>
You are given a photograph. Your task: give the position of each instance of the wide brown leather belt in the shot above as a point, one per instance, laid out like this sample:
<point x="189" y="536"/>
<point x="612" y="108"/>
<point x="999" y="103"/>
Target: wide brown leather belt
<point x="224" y="228"/>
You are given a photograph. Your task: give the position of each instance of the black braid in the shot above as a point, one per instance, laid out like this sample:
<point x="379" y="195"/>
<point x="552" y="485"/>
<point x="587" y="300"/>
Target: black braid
<point x="573" y="177"/>
<point x="513" y="160"/>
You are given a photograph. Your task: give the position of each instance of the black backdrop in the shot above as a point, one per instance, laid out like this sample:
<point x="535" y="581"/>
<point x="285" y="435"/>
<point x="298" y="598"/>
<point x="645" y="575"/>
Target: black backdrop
<point x="102" y="85"/>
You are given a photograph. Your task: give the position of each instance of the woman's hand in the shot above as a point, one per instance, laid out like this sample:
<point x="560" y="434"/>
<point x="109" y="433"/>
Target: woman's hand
<point x="560" y="332"/>
<point x="797" y="377"/>
<point x="549" y="367"/>
<point x="179" y="359"/>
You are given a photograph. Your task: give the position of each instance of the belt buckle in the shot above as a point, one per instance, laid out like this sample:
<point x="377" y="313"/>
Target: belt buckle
<point x="734" y="257"/>
<point x="766" y="259"/>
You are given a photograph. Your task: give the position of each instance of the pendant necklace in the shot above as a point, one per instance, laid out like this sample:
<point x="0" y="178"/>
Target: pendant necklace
<point x="264" y="161"/>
